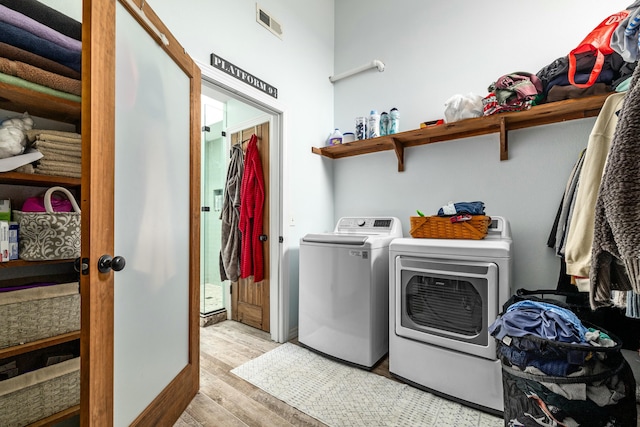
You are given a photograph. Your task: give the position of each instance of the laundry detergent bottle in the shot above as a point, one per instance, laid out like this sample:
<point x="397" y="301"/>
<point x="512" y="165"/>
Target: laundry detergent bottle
<point x="335" y="138"/>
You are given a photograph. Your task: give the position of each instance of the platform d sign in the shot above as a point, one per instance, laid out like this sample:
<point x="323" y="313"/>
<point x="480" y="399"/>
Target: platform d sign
<point x="240" y="74"/>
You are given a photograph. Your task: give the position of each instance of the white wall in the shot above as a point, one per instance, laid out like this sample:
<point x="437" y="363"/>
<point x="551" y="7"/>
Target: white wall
<point x="433" y="50"/>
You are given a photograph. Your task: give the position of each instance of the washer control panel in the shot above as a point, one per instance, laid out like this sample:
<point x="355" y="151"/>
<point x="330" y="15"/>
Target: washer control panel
<point x="369" y="225"/>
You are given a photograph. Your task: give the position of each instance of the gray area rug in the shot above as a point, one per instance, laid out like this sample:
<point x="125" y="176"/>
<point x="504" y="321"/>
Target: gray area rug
<point x="341" y="395"/>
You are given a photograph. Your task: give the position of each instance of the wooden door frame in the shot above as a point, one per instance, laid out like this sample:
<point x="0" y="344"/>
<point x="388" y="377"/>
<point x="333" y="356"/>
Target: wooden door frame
<point x="97" y="289"/>
<point x="275" y="114"/>
<point x="280" y="257"/>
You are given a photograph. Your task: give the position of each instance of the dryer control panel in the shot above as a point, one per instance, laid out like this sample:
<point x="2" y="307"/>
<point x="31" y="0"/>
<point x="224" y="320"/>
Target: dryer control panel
<point x="370" y="225"/>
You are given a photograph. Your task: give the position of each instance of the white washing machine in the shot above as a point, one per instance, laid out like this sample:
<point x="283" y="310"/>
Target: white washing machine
<point x="344" y="290"/>
<point x="444" y="295"/>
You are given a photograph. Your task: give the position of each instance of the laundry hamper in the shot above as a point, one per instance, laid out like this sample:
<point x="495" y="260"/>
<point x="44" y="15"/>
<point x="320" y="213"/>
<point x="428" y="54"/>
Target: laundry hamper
<point x="583" y="385"/>
<point x="441" y="227"/>
<point x="38" y="394"/>
<point x="31" y="314"/>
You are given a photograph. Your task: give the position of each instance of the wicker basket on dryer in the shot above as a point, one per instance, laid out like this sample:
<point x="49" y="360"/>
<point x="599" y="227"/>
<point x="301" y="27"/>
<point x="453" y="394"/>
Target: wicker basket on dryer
<point x="441" y="227"/>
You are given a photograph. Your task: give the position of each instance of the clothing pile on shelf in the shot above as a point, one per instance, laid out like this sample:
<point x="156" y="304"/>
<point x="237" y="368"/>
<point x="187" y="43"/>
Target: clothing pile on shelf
<point x="61" y="152"/>
<point x="557" y="371"/>
<point x="40" y="49"/>
<point x="512" y="92"/>
<point x="520" y="90"/>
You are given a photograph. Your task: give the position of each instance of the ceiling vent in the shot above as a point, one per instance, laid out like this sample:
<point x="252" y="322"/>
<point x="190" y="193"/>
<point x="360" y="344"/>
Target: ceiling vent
<point x="265" y="19"/>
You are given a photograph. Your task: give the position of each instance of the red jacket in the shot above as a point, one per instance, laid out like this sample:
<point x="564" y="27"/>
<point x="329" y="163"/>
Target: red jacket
<point x="251" y="209"/>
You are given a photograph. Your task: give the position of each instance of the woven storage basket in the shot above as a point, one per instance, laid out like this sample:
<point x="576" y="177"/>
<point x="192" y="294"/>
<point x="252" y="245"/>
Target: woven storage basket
<point x="441" y="227"/>
<point x="38" y="394"/>
<point x="31" y="314"/>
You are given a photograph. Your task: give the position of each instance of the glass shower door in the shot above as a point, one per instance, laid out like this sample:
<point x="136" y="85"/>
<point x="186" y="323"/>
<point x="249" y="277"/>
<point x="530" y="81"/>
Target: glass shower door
<point x="214" y="165"/>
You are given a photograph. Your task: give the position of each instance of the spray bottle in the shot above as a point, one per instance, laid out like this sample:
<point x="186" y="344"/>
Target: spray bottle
<point x="394" y="121"/>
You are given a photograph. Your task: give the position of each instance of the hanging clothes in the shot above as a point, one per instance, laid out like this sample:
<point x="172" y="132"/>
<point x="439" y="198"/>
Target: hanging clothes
<point x="579" y="237"/>
<point x="557" y="238"/>
<point x="251" y="211"/>
<point x="615" y="253"/>
<point x="230" y="216"/>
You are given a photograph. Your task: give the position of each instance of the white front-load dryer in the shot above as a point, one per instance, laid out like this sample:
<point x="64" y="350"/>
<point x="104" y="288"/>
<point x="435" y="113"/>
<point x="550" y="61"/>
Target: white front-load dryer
<point x="444" y="295"/>
<point x="344" y="290"/>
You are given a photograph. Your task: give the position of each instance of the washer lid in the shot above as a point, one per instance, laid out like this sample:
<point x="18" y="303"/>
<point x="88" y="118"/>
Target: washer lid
<point x="333" y="238"/>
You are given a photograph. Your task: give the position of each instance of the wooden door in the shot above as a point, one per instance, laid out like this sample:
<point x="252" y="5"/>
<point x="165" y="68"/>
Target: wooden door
<point x="137" y="368"/>
<point x="250" y="300"/>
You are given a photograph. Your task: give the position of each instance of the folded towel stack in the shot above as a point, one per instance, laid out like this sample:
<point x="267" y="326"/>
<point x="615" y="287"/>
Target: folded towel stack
<point x="61" y="152"/>
<point x="40" y="48"/>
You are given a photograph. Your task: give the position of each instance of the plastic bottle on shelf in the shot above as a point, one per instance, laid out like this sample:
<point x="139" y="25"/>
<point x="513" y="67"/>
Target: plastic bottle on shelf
<point x="394" y="121"/>
<point x="374" y="124"/>
<point x="361" y="128"/>
<point x="384" y="124"/>
<point x="335" y="138"/>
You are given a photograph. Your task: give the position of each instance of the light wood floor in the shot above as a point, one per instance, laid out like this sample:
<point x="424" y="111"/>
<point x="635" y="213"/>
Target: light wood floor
<point x="227" y="400"/>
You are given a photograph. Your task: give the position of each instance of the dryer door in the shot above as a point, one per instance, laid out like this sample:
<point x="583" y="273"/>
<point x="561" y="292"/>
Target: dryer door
<point x="449" y="303"/>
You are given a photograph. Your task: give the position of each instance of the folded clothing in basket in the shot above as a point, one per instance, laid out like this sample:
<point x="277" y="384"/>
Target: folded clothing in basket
<point x="472" y="208"/>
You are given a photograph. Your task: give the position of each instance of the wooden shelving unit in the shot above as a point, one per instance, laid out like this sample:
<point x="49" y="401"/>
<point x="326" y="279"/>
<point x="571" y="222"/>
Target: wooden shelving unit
<point x="18" y="99"/>
<point x="544" y="114"/>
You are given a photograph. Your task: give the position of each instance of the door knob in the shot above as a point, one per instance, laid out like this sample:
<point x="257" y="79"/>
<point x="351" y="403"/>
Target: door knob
<point x="106" y="263"/>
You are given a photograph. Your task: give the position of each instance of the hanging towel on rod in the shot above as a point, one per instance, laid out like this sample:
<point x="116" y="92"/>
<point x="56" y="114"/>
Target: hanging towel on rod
<point x="251" y="211"/>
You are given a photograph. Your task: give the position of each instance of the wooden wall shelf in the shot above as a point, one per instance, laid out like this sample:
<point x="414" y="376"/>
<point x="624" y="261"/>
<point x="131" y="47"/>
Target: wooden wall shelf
<point x="544" y="114"/>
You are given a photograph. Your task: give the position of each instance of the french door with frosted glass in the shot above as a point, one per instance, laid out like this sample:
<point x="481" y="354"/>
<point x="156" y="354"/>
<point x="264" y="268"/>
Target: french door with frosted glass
<point x="140" y="202"/>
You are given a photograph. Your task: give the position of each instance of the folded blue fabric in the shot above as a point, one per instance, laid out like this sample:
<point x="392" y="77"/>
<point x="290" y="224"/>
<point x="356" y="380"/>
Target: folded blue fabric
<point x="30" y="42"/>
<point x="471" y="208"/>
